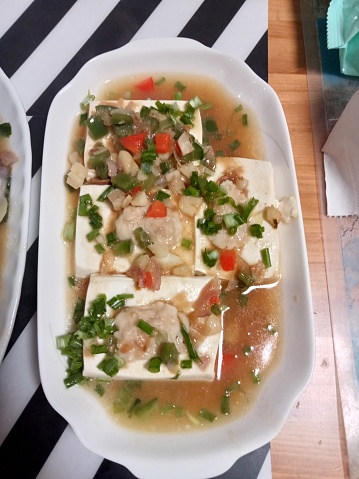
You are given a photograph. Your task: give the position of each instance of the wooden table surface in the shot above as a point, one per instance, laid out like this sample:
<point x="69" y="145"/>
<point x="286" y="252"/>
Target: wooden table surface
<point x="312" y="442"/>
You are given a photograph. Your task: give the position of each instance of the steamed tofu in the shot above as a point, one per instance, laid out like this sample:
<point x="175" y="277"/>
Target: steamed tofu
<point x="136" y="106"/>
<point x="164" y="310"/>
<point x="87" y="259"/>
<point x="258" y="177"/>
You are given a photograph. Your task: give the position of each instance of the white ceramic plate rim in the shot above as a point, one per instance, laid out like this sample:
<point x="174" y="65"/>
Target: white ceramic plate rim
<point x="204" y="453"/>
<point x="12" y="111"/>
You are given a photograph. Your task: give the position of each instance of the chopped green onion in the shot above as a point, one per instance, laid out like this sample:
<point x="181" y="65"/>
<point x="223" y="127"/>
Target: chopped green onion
<point x="210" y="257"/>
<point x="234" y="145"/>
<point x="73" y="379"/>
<point x="218" y="309"/>
<point x="149" y="182"/>
<point x="5" y="129"/>
<point x="122" y="248"/>
<point x="247" y="350"/>
<point x="207" y="415"/>
<point x="191" y="191"/>
<point x="255" y="376"/>
<point x="118" y="301"/>
<point x="144" y="410"/>
<point x="78" y="310"/>
<point x="246" y="278"/>
<point x="225" y="404"/>
<point x="99" y="248"/>
<point x="186" y="364"/>
<point x="98" y="348"/>
<point x="92" y="235"/>
<point x="160" y="81"/>
<point x="86" y="101"/>
<point x="190" y="348"/>
<point x="162" y="195"/>
<point x="111" y="365"/>
<point x="68" y="233"/>
<point x="71" y="280"/>
<point x="169" y="353"/>
<point x="243" y="300"/>
<point x="177" y="96"/>
<point x="142" y="237"/>
<point x="238" y="108"/>
<point x="206" y="106"/>
<point x="180" y="86"/>
<point x="266" y="258"/>
<point x="100" y="389"/>
<point x="256" y="230"/>
<point x="187" y="243"/>
<point x="145" y="327"/>
<point x="111" y="238"/>
<point x="245" y="119"/>
<point x="210" y="125"/>
<point x="154" y="365"/>
<point x="105" y="193"/>
<point x="165" y="167"/>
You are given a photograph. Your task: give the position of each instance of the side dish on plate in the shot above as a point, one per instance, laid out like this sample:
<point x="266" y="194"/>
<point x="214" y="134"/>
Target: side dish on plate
<point x="15" y="179"/>
<point x="174" y="259"/>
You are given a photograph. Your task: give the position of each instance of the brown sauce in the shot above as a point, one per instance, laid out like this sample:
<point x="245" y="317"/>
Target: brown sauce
<point x="252" y="333"/>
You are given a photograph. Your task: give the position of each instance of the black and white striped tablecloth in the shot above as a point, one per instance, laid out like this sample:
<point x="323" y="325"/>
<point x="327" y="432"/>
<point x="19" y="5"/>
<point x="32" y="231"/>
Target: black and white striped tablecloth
<point x="43" y="44"/>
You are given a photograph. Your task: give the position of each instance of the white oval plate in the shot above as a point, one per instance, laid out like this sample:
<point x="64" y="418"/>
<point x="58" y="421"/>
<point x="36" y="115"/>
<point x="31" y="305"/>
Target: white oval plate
<point x="209" y="452"/>
<point x="12" y="111"/>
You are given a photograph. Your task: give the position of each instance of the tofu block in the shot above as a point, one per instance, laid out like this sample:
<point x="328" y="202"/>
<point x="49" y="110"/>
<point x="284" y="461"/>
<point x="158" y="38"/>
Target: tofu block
<point x="175" y="291"/>
<point x="87" y="259"/>
<point x="136" y="106"/>
<point x="259" y="175"/>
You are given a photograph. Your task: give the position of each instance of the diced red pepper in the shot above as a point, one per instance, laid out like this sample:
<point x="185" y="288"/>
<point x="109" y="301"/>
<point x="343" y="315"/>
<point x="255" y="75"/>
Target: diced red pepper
<point x="133" y="143"/>
<point x="214" y="300"/>
<point x="228" y="260"/>
<point x="228" y="361"/>
<point x="163" y="142"/>
<point x="146" y="85"/>
<point x="157" y="209"/>
<point x="148" y="280"/>
<point x="135" y="190"/>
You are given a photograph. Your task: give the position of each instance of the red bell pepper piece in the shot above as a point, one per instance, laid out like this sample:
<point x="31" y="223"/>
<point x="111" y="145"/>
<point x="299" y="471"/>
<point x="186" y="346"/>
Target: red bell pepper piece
<point x="133" y="143"/>
<point x="157" y="209"/>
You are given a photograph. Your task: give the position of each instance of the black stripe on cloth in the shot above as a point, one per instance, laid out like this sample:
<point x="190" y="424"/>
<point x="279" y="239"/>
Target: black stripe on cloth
<point x="31" y="440"/>
<point x="247" y="467"/>
<point x="257" y="60"/>
<point x="28" y="298"/>
<point x="37" y="126"/>
<point x="29" y="30"/>
<point x="114" y="32"/>
<point x="209" y="21"/>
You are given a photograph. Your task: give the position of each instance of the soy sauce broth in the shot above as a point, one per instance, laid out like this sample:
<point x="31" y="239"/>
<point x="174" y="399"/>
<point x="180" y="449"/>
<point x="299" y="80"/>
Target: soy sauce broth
<point x="251" y="332"/>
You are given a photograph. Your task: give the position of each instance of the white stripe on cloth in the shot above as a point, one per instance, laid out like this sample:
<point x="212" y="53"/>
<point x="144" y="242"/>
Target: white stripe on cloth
<point x="79" y="460"/>
<point x="266" y="469"/>
<point x="247" y="26"/>
<point x="173" y="19"/>
<point x="10" y="15"/>
<point x="19" y="378"/>
<point x="53" y="54"/>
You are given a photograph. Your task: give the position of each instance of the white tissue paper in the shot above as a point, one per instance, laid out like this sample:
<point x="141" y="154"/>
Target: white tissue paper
<point x="341" y="162"/>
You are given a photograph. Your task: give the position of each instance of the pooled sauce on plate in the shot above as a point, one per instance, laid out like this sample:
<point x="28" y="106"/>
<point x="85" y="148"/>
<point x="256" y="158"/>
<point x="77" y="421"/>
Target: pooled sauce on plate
<point x="252" y="324"/>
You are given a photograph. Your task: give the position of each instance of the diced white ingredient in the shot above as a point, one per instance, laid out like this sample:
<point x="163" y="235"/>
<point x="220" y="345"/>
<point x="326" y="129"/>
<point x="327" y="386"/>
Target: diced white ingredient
<point x="288" y="208"/>
<point x="189" y="205"/>
<point x="140" y="199"/>
<point x="176" y="291"/>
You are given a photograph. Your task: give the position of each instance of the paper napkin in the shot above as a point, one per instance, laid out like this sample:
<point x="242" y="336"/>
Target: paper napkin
<point x="341" y="162"/>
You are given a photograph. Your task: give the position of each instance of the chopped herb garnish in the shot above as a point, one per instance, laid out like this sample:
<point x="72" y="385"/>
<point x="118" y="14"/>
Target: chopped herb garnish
<point x="210" y="257"/>
<point x="99" y="248"/>
<point x="246" y="279"/>
<point x="245" y="119"/>
<point x="98" y="349"/>
<point x="5" y="129"/>
<point x="160" y="81"/>
<point x="119" y="300"/>
<point x="207" y="415"/>
<point x="265" y="254"/>
<point x="187" y="243"/>
<point x="235" y="144"/>
<point x="111" y="238"/>
<point x="122" y="248"/>
<point x="86" y="101"/>
<point x="162" y="195"/>
<point x="111" y="365"/>
<point x="145" y="327"/>
<point x="238" y="108"/>
<point x="169" y="353"/>
<point x="71" y="281"/>
<point x="154" y="365"/>
<point x="100" y="389"/>
<point x="105" y="194"/>
<point x="256" y="230"/>
<point x="190" y="348"/>
<point x="186" y="364"/>
<point x="180" y="86"/>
